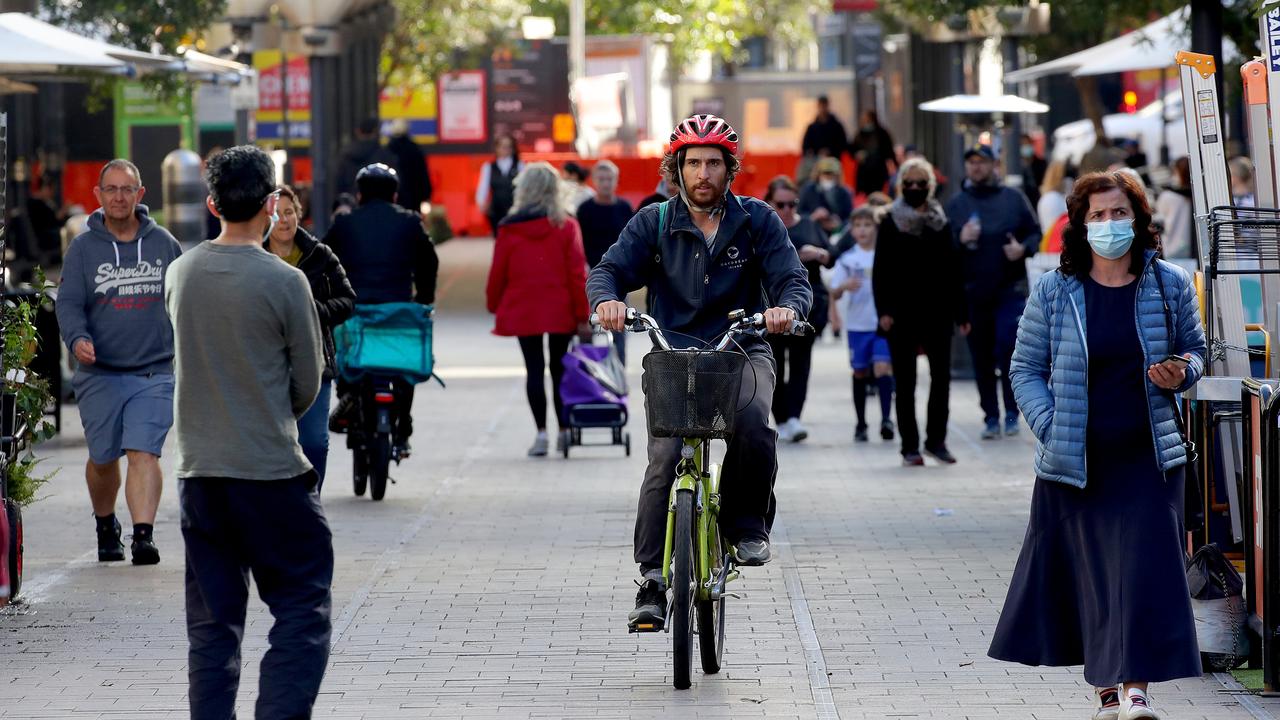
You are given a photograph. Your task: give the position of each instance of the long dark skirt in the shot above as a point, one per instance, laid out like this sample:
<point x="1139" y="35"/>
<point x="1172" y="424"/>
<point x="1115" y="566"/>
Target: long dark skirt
<point x="1101" y="579"/>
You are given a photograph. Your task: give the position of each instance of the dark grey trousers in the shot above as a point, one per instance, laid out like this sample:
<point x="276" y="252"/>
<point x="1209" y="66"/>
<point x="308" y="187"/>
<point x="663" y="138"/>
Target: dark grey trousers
<point x="276" y="530"/>
<point x="750" y="468"/>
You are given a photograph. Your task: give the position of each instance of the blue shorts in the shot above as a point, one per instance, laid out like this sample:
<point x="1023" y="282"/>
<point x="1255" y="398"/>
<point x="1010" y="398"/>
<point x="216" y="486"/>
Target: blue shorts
<point x="866" y="349"/>
<point x="124" y="412"/>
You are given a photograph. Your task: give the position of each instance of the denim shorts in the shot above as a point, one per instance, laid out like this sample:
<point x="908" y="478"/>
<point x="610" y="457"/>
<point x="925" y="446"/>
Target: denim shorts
<point x="124" y="412"/>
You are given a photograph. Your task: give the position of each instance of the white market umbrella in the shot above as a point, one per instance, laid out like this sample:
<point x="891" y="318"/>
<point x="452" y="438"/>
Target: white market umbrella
<point x="1151" y="47"/>
<point x="984" y="104"/>
<point x="28" y="45"/>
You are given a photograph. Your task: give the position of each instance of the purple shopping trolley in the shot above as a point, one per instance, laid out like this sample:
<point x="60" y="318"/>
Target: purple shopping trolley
<point x="593" y="392"/>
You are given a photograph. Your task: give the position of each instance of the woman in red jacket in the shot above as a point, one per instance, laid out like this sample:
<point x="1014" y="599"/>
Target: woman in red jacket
<point x="537" y="286"/>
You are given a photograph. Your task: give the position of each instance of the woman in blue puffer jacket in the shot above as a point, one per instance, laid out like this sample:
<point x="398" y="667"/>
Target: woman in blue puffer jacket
<point x="1100" y="580"/>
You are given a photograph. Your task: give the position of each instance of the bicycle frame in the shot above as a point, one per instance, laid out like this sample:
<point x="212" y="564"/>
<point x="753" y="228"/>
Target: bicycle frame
<point x="695" y="475"/>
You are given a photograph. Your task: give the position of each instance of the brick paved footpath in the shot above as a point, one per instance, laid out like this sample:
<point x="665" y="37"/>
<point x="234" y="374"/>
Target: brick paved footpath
<point x="489" y="585"/>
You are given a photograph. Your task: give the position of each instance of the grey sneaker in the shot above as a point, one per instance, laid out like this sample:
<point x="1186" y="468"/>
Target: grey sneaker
<point x="539" y="447"/>
<point x="1136" y="706"/>
<point x="753" y="552"/>
<point x="651" y="608"/>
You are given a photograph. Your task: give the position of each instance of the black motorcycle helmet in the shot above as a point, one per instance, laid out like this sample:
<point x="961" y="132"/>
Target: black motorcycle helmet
<point x="377" y="182"/>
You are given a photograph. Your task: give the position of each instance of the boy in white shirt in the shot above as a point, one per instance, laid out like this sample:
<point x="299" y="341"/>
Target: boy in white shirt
<point x="856" y="307"/>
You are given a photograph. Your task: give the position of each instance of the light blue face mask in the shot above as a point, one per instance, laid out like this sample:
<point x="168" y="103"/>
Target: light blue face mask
<point x="1111" y="239"/>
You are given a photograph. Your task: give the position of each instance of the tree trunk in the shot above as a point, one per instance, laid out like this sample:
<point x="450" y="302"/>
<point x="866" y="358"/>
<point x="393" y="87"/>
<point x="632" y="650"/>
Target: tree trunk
<point x="1087" y="86"/>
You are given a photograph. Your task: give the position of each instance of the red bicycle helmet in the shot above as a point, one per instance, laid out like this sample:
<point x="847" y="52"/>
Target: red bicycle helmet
<point x="704" y="130"/>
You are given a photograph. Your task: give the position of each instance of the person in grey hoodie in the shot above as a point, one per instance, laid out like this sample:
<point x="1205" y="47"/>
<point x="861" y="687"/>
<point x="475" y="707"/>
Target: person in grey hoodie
<point x="111" y="314"/>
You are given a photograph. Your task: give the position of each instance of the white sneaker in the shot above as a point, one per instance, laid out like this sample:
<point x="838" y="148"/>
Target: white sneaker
<point x="1108" y="704"/>
<point x="1136" y="706"/>
<point x="785" y="432"/>
<point x="798" y="433"/>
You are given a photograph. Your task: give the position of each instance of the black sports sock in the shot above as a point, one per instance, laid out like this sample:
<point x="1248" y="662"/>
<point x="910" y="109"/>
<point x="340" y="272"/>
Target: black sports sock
<point x="142" y="531"/>
<point x="860" y="400"/>
<point x="105" y="522"/>
<point x="885" y="385"/>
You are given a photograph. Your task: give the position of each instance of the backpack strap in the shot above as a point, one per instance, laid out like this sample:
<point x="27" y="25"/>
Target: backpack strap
<point x="662" y="217"/>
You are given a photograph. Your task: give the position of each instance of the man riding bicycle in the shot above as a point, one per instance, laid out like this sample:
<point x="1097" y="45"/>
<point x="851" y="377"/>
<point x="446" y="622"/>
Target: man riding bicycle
<point x="716" y="253"/>
<point x="388" y="256"/>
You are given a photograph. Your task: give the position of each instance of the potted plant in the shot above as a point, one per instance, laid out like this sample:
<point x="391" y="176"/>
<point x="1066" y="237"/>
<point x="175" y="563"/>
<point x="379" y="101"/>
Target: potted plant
<point x="24" y="396"/>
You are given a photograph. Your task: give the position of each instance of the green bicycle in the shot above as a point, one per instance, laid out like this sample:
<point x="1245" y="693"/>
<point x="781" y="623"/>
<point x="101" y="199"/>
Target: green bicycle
<point x="691" y="394"/>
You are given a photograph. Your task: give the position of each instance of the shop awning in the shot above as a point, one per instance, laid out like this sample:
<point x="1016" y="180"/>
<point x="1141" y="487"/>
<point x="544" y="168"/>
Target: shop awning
<point x="984" y="104"/>
<point x="32" y="46"/>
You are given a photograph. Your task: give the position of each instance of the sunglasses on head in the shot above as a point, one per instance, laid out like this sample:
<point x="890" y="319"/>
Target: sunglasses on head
<point x="785" y="204"/>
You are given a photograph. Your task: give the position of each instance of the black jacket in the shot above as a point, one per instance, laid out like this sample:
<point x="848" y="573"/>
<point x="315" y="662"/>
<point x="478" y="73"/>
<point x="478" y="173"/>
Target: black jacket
<point x="411" y="165"/>
<point x="829" y="136"/>
<point x="751" y="267"/>
<point x="807" y="232"/>
<point x="918" y="279"/>
<point x="387" y="254"/>
<point x="355" y="156"/>
<point x="335" y="300"/>
<point x="1003" y="211"/>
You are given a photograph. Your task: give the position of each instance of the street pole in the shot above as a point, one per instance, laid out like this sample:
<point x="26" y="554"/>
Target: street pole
<point x="284" y="102"/>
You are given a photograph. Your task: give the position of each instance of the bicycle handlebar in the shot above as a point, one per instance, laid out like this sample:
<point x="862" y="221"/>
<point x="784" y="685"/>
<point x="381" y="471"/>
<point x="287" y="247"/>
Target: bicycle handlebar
<point x="637" y="321"/>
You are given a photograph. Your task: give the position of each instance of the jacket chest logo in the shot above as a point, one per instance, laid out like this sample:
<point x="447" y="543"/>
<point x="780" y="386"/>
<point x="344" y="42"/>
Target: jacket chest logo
<point x="732" y="252"/>
<point x="733" y="258"/>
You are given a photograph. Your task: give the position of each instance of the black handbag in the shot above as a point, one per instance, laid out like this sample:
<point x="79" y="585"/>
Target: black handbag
<point x="1193" y="501"/>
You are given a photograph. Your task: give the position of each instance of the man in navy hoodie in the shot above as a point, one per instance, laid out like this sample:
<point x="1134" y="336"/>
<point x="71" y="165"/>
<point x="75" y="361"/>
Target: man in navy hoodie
<point x="111" y="313"/>
<point x="997" y="231"/>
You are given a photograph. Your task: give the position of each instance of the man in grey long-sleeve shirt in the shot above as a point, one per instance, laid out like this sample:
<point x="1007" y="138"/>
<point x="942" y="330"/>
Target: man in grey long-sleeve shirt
<point x="248" y="360"/>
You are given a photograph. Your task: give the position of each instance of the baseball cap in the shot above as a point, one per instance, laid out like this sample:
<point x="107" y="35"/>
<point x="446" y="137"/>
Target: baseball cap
<point x="980" y="149"/>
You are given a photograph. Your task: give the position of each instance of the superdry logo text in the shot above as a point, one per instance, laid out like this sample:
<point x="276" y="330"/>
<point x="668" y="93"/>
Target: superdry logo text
<point x="143" y="279"/>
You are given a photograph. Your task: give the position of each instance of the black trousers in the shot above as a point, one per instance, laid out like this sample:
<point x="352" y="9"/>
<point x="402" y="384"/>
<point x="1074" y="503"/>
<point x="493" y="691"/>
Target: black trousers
<point x="749" y="471"/>
<point x="535" y="365"/>
<point x="905" y="343"/>
<point x="991" y="340"/>
<point x="276" y="530"/>
<point x="793" y="358"/>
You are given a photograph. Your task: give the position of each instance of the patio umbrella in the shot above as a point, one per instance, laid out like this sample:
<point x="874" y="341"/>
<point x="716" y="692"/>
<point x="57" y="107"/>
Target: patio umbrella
<point x="984" y="104"/>
<point x="1150" y="47"/>
<point x="31" y="46"/>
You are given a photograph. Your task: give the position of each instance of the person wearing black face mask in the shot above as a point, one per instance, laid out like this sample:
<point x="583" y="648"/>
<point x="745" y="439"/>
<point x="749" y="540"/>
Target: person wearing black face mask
<point x="919" y="294"/>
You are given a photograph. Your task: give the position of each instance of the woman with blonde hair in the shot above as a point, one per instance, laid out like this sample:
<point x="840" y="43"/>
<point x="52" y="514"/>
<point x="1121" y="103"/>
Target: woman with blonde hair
<point x="919" y="294"/>
<point x="537" y="286"/>
<point x="1053" y="201"/>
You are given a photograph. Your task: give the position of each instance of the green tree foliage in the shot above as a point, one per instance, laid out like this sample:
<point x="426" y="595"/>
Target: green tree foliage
<point x="435" y="36"/>
<point x="137" y="25"/>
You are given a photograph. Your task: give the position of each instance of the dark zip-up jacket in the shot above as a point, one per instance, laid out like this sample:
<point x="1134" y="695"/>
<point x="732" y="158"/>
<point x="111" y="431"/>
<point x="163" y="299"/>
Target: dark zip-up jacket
<point x="752" y="266"/>
<point x="334" y="298"/>
<point x="1002" y="211"/>
<point x="386" y="253"/>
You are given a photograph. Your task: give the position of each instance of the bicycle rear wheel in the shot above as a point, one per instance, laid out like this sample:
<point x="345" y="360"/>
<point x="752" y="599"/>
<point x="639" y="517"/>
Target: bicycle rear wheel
<point x="379" y="466"/>
<point x="682" y="586"/>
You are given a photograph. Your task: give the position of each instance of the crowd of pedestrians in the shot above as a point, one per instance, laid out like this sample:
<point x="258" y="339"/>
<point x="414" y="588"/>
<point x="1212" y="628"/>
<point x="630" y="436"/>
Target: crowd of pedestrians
<point x="253" y="311"/>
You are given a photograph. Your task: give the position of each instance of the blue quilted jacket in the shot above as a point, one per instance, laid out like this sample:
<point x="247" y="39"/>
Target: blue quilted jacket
<point x="1050" y="371"/>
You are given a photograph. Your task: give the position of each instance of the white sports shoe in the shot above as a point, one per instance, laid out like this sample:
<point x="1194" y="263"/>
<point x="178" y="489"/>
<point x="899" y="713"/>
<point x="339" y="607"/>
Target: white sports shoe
<point x="785" y="432"/>
<point x="1136" y="706"/>
<point x="798" y="433"/>
<point x="1108" y="704"/>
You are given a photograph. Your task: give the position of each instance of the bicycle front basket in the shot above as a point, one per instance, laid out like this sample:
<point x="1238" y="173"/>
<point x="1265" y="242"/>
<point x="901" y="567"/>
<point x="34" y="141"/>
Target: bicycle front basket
<point x="691" y="393"/>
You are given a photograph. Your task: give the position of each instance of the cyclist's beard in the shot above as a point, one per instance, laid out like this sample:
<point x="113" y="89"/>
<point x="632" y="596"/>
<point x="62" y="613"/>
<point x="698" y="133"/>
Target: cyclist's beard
<point x="715" y="206"/>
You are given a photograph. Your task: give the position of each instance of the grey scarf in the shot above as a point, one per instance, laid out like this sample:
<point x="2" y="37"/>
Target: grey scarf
<point x="912" y="221"/>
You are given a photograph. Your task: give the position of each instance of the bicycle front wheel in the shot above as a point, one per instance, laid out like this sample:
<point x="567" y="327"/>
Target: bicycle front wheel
<point x="682" y="588"/>
<point x="711" y="614"/>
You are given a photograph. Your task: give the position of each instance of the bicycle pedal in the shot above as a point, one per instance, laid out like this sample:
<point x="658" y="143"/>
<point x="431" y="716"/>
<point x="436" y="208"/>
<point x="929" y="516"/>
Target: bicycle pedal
<point x="644" y="628"/>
